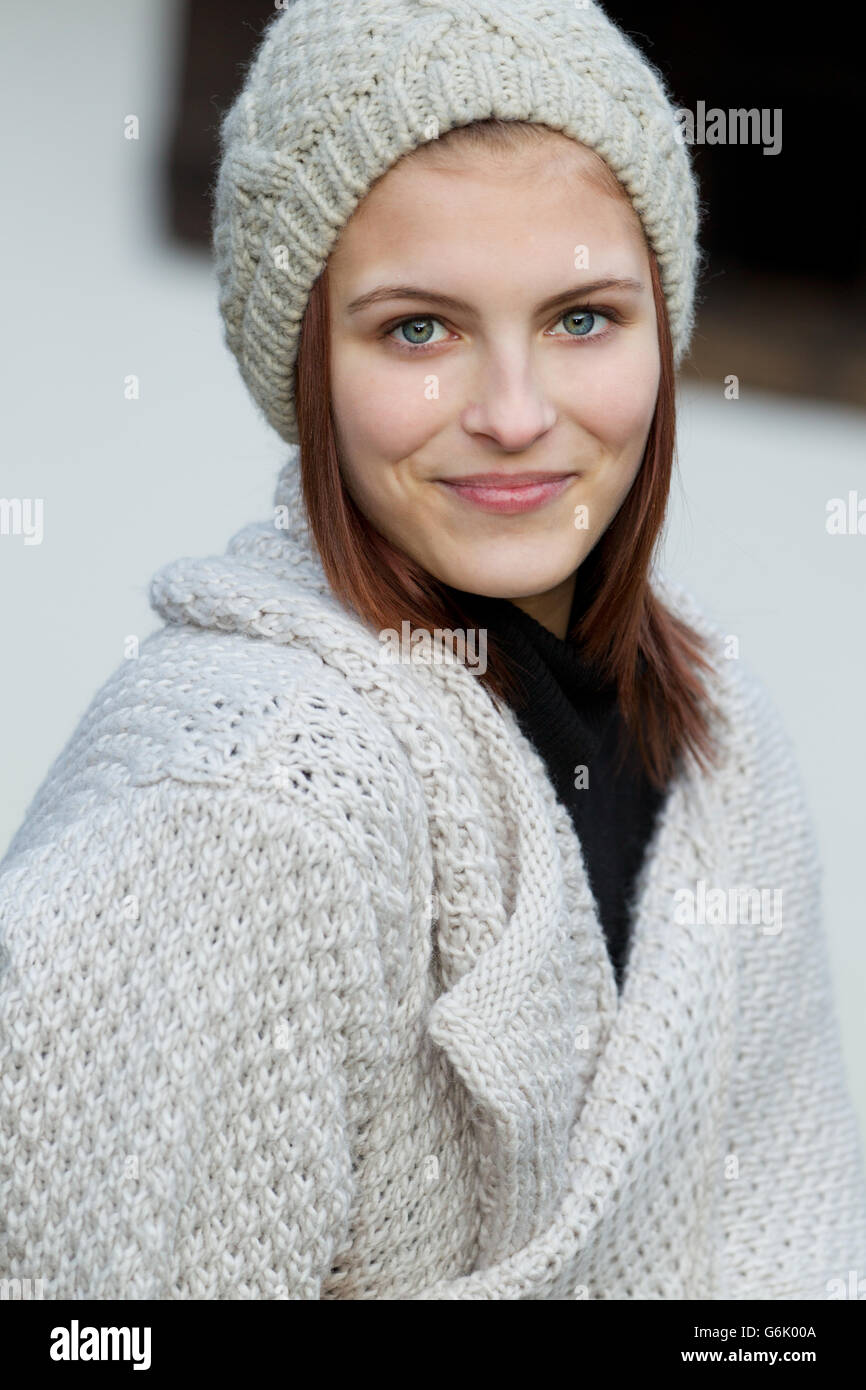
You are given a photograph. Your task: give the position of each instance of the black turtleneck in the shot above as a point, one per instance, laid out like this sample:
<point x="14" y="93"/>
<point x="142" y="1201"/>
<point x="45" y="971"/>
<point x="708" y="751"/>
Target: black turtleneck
<point x="572" y="718"/>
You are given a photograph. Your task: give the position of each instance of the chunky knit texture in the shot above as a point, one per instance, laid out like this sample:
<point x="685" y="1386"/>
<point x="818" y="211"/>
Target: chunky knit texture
<point x="339" y="90"/>
<point x="305" y="995"/>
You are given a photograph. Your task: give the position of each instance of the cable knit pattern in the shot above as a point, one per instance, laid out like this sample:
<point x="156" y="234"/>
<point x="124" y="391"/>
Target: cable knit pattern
<point x="339" y="90"/>
<point x="305" y="996"/>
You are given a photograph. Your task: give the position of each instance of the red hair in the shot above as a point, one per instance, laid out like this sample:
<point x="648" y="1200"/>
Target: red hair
<point x="653" y="657"/>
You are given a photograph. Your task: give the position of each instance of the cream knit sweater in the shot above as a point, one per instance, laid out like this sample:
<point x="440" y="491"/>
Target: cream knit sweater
<point x="305" y="995"/>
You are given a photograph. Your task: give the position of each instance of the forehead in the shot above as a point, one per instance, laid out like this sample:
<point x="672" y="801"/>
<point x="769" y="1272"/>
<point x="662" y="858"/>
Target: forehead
<point x="479" y="201"/>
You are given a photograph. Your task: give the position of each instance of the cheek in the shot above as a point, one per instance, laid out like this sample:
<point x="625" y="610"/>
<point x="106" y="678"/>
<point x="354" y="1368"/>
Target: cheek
<point x="618" y="400"/>
<point x="381" y="412"/>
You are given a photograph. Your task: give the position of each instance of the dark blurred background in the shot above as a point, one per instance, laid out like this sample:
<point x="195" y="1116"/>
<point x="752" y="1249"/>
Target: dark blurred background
<point x="784" y="294"/>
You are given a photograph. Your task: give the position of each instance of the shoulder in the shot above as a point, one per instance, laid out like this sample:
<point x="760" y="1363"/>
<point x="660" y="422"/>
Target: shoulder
<point x="759" y="771"/>
<point x="732" y="681"/>
<point x="245" y="717"/>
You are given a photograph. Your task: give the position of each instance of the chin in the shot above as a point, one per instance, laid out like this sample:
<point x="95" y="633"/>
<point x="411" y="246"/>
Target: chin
<point x="514" y="583"/>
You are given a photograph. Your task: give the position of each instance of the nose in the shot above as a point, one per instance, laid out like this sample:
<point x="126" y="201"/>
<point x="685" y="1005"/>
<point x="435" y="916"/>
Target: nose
<point x="510" y="404"/>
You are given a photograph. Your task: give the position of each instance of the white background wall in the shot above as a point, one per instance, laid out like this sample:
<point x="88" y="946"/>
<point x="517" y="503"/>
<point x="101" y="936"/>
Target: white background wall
<point x="91" y="294"/>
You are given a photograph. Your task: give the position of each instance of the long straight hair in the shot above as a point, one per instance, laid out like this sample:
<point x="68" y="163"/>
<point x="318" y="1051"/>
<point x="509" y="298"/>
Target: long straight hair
<point x="652" y="657"/>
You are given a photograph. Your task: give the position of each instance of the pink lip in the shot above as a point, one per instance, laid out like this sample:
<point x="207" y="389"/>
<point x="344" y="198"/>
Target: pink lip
<point x="508" y="492"/>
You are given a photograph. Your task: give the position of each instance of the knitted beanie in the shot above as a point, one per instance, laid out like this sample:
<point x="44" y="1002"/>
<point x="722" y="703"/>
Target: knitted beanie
<point x="339" y="90"/>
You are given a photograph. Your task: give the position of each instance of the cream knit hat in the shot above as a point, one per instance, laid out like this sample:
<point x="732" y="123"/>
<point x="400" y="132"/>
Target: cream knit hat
<point x="340" y="89"/>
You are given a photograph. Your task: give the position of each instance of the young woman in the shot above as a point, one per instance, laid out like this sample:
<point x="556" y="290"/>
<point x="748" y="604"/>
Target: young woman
<point x="431" y="910"/>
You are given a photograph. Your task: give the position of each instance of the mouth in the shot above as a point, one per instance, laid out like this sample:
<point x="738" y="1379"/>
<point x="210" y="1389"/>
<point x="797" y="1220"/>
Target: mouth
<point x="508" y="492"/>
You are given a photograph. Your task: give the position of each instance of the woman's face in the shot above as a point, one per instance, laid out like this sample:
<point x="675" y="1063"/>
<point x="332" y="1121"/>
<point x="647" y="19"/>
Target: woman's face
<point x="487" y="351"/>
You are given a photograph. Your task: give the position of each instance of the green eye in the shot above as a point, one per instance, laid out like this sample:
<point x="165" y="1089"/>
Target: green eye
<point x="418" y="331"/>
<point x="580" y="322"/>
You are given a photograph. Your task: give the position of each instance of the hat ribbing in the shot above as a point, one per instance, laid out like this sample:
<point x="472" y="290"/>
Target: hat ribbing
<point x="339" y="90"/>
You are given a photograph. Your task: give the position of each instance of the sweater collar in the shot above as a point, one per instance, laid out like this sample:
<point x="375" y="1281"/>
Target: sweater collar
<point x="537" y="653"/>
<point x="521" y="953"/>
<point x="563" y="703"/>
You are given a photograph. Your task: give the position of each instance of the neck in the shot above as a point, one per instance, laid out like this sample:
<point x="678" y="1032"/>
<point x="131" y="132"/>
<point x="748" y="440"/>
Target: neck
<point x="551" y="609"/>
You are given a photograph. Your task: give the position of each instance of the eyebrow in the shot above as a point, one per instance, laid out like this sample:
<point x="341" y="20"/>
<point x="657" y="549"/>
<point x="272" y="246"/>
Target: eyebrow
<point x="448" y="301"/>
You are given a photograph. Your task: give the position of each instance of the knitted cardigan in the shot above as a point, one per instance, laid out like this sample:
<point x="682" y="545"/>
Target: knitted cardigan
<point x="304" y="994"/>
